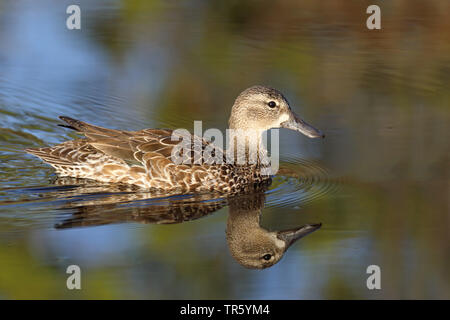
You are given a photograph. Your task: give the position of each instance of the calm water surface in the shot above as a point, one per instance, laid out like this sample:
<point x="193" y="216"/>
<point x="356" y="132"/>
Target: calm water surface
<point x="378" y="183"/>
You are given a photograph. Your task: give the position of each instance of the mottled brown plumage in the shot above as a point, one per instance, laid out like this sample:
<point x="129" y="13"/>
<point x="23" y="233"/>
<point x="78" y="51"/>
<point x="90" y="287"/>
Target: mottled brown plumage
<point x="143" y="158"/>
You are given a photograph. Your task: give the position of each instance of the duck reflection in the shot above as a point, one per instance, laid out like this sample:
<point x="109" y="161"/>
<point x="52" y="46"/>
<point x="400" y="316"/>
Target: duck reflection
<point x="92" y="204"/>
<point x="250" y="245"/>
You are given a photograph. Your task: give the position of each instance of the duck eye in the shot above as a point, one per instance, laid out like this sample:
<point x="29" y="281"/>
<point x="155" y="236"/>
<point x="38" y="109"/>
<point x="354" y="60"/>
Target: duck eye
<point x="267" y="257"/>
<point x="272" y="104"/>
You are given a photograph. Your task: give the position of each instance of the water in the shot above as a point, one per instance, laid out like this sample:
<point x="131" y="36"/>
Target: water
<point x="378" y="183"/>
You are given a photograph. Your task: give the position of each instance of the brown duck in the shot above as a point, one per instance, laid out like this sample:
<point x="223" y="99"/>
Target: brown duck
<point x="145" y="158"/>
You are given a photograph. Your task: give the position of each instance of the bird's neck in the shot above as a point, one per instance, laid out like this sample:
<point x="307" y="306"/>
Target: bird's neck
<point x="246" y="147"/>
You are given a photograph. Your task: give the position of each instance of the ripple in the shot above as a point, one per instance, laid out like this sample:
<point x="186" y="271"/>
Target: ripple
<point x="299" y="182"/>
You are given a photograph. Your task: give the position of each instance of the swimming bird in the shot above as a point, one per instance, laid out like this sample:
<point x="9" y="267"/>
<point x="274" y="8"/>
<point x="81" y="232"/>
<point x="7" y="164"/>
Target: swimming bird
<point x="251" y="245"/>
<point x="145" y="158"/>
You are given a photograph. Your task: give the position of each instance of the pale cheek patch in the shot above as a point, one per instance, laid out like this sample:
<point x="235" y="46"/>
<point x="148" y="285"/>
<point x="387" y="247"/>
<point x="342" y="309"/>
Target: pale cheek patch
<point x="284" y="117"/>
<point x="278" y="242"/>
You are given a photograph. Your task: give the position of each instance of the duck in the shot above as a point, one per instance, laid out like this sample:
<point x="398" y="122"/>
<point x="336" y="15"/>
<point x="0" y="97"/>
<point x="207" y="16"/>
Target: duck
<point x="145" y="159"/>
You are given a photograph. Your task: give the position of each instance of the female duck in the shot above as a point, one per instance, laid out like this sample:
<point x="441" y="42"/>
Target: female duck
<point x="145" y="158"/>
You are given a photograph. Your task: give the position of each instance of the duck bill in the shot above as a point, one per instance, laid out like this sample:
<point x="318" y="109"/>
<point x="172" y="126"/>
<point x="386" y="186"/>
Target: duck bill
<point x="296" y="123"/>
<point x="292" y="235"/>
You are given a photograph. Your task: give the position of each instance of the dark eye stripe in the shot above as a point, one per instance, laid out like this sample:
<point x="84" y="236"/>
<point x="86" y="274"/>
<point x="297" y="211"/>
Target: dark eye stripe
<point x="272" y="104"/>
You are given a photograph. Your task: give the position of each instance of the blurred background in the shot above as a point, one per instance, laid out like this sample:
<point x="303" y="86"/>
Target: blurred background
<point x="379" y="182"/>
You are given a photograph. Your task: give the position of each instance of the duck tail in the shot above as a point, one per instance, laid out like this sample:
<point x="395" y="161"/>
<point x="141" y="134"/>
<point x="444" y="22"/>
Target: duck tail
<point x="74" y="124"/>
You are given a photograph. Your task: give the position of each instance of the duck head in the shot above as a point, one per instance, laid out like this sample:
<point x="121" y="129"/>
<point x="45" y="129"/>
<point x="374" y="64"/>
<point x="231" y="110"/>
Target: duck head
<point x="262" y="108"/>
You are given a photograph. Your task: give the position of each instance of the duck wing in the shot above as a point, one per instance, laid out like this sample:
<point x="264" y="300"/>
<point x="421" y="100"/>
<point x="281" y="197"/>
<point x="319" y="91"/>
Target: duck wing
<point x="150" y="148"/>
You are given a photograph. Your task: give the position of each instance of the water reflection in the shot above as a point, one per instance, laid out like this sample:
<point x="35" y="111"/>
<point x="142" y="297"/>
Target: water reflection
<point x="249" y="243"/>
<point x="119" y="203"/>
